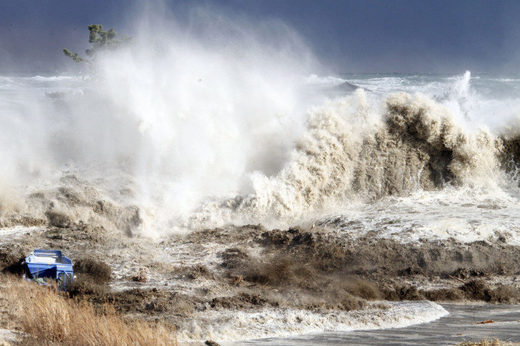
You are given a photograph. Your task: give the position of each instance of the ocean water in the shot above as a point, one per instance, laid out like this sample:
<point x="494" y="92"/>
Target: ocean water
<point x="460" y="325"/>
<point x="442" y="147"/>
<point x="407" y="157"/>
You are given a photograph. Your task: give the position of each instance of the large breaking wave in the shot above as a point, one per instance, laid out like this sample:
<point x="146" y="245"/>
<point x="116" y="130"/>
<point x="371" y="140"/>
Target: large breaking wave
<point x="350" y="152"/>
<point x="193" y="131"/>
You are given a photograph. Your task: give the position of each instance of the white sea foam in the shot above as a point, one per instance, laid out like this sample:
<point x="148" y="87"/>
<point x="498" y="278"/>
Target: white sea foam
<point x="463" y="214"/>
<point x="12" y="233"/>
<point x="224" y="325"/>
<point x="316" y="80"/>
<point x="51" y="78"/>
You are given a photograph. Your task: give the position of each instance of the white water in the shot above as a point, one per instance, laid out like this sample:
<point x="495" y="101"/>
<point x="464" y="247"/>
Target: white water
<point x="197" y="132"/>
<point x="227" y="326"/>
<point x="462" y="325"/>
<point x="185" y="115"/>
<point x="176" y="158"/>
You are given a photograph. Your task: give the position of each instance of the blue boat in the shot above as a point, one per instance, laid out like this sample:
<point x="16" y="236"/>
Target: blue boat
<point x="49" y="265"/>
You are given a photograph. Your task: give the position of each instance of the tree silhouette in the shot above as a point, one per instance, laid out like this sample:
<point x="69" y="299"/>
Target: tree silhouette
<point x="99" y="40"/>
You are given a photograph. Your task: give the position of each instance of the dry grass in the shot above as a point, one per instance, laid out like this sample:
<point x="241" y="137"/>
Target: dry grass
<point x="98" y="270"/>
<point x="49" y="318"/>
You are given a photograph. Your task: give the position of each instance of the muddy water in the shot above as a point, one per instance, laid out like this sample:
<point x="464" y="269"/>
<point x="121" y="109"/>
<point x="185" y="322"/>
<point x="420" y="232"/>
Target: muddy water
<point x="462" y="324"/>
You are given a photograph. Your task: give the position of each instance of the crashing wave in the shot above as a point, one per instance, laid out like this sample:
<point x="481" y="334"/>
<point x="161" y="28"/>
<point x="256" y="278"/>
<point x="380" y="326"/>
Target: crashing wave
<point x="349" y="153"/>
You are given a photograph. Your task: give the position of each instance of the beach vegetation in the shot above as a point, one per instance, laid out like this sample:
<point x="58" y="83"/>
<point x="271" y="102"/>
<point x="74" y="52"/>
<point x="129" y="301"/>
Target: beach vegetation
<point x="47" y="317"/>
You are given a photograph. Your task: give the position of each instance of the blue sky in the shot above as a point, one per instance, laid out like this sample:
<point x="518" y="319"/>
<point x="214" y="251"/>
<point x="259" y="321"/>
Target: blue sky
<point x="437" y="36"/>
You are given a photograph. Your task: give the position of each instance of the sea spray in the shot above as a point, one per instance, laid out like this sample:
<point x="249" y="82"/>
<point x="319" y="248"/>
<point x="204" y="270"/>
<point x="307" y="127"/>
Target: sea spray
<point x="180" y="114"/>
<point x="193" y="136"/>
<point x="347" y="153"/>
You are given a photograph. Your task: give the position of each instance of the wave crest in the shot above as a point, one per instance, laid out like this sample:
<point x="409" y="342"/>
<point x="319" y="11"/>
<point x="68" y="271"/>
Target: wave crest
<point x="349" y="153"/>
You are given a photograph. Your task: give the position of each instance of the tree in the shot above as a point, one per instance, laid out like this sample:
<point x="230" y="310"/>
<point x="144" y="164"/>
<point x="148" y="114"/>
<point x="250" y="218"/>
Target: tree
<point x="73" y="56"/>
<point x="99" y="39"/>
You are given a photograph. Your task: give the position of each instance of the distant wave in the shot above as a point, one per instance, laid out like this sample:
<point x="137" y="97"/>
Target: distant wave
<point x="51" y="78"/>
<point x="324" y="81"/>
